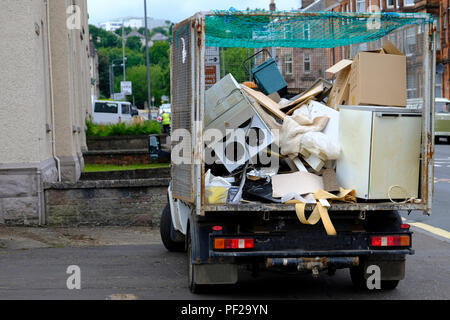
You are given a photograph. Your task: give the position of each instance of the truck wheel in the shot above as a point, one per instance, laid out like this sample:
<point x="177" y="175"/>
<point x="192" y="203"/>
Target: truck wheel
<point x="389" y="284"/>
<point x="193" y="286"/>
<point x="357" y="276"/>
<point x="166" y="229"/>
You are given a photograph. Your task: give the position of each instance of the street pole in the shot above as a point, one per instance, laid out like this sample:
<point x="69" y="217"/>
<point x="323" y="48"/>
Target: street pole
<point x="111" y="83"/>
<point x="123" y="48"/>
<point x="223" y="63"/>
<point x="148" y="56"/>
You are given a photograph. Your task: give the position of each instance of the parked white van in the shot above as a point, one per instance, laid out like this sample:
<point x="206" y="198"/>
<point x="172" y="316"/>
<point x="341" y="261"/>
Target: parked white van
<point x="110" y="112"/>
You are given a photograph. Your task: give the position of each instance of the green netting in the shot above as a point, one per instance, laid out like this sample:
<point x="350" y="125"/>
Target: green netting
<point x="257" y="29"/>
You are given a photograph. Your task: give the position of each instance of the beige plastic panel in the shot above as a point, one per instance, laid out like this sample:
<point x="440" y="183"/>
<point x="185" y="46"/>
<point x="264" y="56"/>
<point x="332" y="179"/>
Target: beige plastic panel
<point x="352" y="168"/>
<point x="395" y="157"/>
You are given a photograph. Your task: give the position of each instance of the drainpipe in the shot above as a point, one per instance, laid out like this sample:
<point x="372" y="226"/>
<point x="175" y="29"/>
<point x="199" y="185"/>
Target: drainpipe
<point x="40" y="194"/>
<point x="58" y="161"/>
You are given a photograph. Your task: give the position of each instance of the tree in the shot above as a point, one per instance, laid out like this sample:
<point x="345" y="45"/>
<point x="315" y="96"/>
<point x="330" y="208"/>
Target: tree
<point x="160" y="53"/>
<point x="234" y="57"/>
<point x="103" y="38"/>
<point x="126" y="29"/>
<point x="110" y="50"/>
<point x="134" y="43"/>
<point x="103" y="70"/>
<point x="162" y="30"/>
<point x="138" y="76"/>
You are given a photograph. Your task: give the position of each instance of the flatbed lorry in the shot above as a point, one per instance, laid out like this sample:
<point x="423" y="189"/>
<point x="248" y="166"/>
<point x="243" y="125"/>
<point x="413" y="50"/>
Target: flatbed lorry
<point x="221" y="239"/>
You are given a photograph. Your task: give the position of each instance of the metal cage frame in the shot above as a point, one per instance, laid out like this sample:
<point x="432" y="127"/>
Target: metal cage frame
<point x="195" y="196"/>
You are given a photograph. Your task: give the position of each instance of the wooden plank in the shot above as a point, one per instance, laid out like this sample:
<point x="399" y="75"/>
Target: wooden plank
<point x="299" y="164"/>
<point x="308" y="94"/>
<point x="266" y="102"/>
<point x="339" y="88"/>
<point x="341" y="65"/>
<point x="267" y="118"/>
<point x="290" y="112"/>
<point x="315" y="162"/>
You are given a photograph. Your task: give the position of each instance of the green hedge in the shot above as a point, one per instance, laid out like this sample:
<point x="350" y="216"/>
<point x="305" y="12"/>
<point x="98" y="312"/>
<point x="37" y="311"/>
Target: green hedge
<point x="122" y="129"/>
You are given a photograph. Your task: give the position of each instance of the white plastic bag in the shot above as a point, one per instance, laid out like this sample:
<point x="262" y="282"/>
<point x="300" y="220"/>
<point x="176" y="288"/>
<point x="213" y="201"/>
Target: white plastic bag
<point x="321" y="142"/>
<point x="216" y="189"/>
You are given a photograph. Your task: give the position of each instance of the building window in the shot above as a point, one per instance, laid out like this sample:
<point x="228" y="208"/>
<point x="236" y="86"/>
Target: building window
<point x="306" y="31"/>
<point x="106" y="107"/>
<point x="438" y="85"/>
<point x="360" y="5"/>
<point x="288" y="32"/>
<point x="437" y="24"/>
<point x="390" y="3"/>
<point x="306" y="63"/>
<point x="411" y="86"/>
<point x="408" y="3"/>
<point x="411" y="40"/>
<point x="126" y="109"/>
<point x="288" y="64"/>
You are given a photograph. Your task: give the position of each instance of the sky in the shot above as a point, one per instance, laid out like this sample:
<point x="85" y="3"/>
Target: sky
<point x="173" y="10"/>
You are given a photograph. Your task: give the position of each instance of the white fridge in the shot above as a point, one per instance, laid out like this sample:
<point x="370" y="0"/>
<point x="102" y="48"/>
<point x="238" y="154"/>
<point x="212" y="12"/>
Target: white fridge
<point x="380" y="152"/>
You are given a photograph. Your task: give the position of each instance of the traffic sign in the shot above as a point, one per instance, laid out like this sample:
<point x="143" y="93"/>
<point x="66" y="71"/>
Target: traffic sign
<point x="126" y="88"/>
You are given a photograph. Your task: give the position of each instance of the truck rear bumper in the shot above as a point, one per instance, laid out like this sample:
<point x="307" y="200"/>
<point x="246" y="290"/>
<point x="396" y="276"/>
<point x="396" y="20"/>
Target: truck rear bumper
<point x="304" y="253"/>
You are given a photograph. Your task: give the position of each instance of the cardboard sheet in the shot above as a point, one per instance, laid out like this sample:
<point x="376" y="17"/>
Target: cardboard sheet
<point x="298" y="182"/>
<point x="330" y="182"/>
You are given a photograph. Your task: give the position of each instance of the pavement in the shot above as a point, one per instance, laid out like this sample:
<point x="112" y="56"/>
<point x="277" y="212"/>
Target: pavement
<point x="119" y="263"/>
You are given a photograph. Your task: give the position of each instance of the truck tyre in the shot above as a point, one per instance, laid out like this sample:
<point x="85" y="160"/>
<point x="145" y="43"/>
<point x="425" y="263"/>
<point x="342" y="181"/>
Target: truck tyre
<point x="389" y="284"/>
<point x="166" y="229"/>
<point x="193" y="286"/>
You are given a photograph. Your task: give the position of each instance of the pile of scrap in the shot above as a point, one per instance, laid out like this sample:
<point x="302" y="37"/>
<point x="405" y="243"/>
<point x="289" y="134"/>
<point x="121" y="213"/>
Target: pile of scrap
<point x="302" y="132"/>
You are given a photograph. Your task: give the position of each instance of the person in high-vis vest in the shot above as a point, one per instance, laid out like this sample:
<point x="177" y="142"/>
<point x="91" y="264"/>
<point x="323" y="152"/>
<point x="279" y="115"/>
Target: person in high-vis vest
<point x="166" y="123"/>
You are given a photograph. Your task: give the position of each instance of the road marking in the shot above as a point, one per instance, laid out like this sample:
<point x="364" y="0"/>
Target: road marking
<point x="122" y="296"/>
<point x="436" y="180"/>
<point x="437" y="231"/>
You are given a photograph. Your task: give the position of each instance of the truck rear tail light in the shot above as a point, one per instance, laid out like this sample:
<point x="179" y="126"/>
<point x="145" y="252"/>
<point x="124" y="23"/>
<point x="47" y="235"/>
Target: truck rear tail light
<point x="405" y="226"/>
<point x="233" y="243"/>
<point x="391" y="241"/>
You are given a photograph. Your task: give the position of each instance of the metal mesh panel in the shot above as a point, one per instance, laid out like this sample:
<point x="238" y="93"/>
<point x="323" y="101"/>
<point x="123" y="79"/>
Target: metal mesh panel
<point x="182" y="107"/>
<point x="254" y="29"/>
<point x="302" y="66"/>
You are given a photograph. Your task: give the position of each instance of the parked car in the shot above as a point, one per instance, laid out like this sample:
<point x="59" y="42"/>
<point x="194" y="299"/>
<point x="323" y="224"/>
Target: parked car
<point x="442" y="119"/>
<point x="110" y="112"/>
